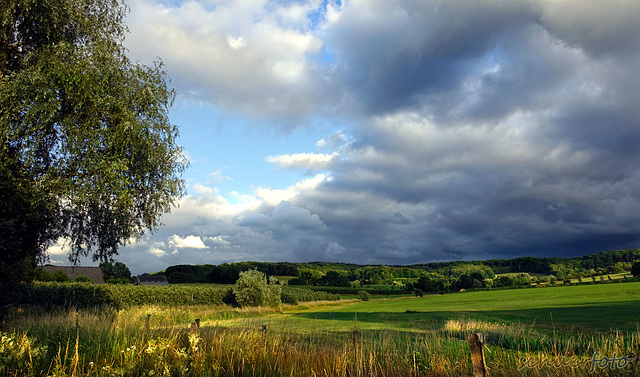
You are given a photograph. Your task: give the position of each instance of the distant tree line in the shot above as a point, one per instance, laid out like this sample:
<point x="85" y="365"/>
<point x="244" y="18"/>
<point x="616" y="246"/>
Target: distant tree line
<point x="227" y="273"/>
<point x="428" y="278"/>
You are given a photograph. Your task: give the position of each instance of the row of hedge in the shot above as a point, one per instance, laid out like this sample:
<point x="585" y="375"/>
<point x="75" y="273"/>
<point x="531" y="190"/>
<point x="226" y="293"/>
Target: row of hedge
<point x="292" y="295"/>
<point x="350" y="290"/>
<point x="82" y="295"/>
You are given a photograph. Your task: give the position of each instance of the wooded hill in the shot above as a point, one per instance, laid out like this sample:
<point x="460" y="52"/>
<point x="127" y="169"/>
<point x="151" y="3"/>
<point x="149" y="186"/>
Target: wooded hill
<point x="344" y="274"/>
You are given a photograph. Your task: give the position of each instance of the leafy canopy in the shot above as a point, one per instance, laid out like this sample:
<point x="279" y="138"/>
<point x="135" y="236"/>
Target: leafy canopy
<point x="252" y="289"/>
<point x="87" y="150"/>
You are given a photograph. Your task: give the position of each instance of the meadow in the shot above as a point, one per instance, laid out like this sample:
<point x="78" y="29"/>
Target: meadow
<point x="588" y="330"/>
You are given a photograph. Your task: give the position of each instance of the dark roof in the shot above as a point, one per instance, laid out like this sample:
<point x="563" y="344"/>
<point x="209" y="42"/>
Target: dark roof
<point x="94" y="273"/>
<point x="152" y="279"/>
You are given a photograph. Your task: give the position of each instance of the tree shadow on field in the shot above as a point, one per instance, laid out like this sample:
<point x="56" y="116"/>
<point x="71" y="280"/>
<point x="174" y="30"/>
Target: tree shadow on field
<point x="590" y="320"/>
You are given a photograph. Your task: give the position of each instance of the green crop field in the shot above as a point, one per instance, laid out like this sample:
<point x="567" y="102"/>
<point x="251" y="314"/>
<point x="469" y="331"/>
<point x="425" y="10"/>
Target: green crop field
<point x="589" y="308"/>
<point x="570" y="331"/>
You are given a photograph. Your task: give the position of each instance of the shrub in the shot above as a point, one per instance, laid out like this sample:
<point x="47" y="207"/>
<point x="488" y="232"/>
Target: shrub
<point x="288" y="298"/>
<point x="503" y="281"/>
<point x="635" y="269"/>
<point x="251" y="289"/>
<point x="83" y="279"/>
<point x="60" y="277"/>
<point x="364" y="295"/>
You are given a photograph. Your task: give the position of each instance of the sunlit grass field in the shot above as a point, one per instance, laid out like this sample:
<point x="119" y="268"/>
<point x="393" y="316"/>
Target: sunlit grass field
<point x="563" y="331"/>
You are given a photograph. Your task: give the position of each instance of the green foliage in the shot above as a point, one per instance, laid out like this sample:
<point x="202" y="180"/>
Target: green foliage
<point x="293" y="295"/>
<point x="82" y="279"/>
<point x="274" y="292"/>
<point x="503" y="281"/>
<point x="229" y="298"/>
<point x="182" y="294"/>
<point x="364" y="295"/>
<point x="305" y="278"/>
<point x="427" y="284"/>
<point x="43" y="275"/>
<point x="334" y="279"/>
<point x="227" y="273"/>
<point x="252" y="289"/>
<point x="115" y="273"/>
<point x="635" y="269"/>
<point x="288" y="298"/>
<point x="18" y="353"/>
<point x="442" y="276"/>
<point x="118" y="281"/>
<point x="87" y="151"/>
<point x="80" y="295"/>
<point x="25" y="218"/>
<point x="60" y="276"/>
<point x="180" y="278"/>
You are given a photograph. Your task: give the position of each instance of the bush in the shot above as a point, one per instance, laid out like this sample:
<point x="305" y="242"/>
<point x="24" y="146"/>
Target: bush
<point x="635" y="269"/>
<point x="288" y="298"/>
<point x="82" y="279"/>
<point x="252" y="289"/>
<point x="60" y="277"/>
<point x="364" y="295"/>
<point x="503" y="281"/>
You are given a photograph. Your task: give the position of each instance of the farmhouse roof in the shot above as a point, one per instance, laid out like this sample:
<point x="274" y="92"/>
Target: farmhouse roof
<point x="142" y="279"/>
<point x="94" y="273"/>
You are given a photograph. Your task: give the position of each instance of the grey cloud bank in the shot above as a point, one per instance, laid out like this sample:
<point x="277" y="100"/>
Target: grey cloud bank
<point x="469" y="129"/>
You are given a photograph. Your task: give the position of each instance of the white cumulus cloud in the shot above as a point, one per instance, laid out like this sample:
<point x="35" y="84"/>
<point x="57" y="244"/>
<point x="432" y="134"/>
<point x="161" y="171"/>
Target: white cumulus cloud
<point x="188" y="242"/>
<point x="310" y="161"/>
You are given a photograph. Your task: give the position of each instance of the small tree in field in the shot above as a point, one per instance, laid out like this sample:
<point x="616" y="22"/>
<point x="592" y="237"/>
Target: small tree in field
<point x="251" y="289"/>
<point x="635" y="269"/>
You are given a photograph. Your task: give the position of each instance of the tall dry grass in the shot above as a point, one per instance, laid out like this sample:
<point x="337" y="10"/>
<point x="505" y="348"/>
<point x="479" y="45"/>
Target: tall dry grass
<point x="234" y="343"/>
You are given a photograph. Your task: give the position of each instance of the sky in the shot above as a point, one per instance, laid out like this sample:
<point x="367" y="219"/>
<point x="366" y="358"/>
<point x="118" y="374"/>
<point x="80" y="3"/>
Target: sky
<point x="397" y="131"/>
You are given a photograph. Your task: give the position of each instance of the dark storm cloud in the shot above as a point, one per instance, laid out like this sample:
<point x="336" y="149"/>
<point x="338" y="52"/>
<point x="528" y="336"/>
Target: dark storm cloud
<point x="507" y="127"/>
<point x="475" y="130"/>
<point x="398" y="53"/>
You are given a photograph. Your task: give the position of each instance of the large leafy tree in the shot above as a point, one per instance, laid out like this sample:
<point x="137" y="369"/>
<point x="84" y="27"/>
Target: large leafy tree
<point x="87" y="152"/>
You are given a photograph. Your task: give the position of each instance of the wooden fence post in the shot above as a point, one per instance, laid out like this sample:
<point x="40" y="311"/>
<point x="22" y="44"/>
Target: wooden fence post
<point x="355" y="340"/>
<point x="477" y="355"/>
<point x="194" y="328"/>
<point x="146" y="322"/>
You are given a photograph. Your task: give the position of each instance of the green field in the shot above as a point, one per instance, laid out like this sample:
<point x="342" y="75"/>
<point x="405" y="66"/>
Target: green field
<point x="588" y="308"/>
<point x="529" y="332"/>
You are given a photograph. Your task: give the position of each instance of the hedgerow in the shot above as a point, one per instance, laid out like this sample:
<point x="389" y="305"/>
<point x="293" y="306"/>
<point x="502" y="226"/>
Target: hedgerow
<point x="84" y="295"/>
<point x="292" y="295"/>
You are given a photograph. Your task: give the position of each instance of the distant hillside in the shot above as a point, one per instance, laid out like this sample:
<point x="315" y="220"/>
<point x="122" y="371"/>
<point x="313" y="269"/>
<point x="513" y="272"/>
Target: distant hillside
<point x="562" y="268"/>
